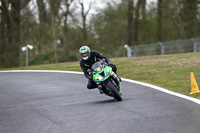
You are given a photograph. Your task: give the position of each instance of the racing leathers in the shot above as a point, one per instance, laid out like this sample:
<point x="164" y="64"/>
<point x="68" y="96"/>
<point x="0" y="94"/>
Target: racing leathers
<point x="87" y="64"/>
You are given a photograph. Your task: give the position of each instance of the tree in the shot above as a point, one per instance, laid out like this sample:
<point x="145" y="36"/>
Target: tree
<point x="11" y="16"/>
<point x="54" y="8"/>
<point x="130" y="22"/>
<point x="159" y="19"/>
<point x="190" y="10"/>
<point x="110" y="28"/>
<point x="140" y="13"/>
<point x="4" y="13"/>
<point x="42" y="11"/>
<point x="84" y="20"/>
<point x="66" y="15"/>
<point x="11" y="31"/>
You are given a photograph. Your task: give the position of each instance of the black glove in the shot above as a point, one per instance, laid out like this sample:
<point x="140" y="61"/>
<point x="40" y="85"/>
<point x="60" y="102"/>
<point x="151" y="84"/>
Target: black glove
<point x="89" y="71"/>
<point x="110" y="63"/>
<point x="103" y="60"/>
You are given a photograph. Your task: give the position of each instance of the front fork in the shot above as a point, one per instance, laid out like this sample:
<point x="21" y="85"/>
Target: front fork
<point x="115" y="80"/>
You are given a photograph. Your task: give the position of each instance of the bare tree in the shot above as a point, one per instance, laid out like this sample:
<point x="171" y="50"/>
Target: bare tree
<point x="190" y="10"/>
<point x="42" y="11"/>
<point x="159" y="19"/>
<point x="140" y="12"/>
<point x="44" y="21"/>
<point x="136" y="21"/>
<point x="66" y="15"/>
<point x="54" y="8"/>
<point x="130" y="22"/>
<point x="11" y="31"/>
<point x="84" y="16"/>
<point x="5" y="20"/>
<point x="16" y="20"/>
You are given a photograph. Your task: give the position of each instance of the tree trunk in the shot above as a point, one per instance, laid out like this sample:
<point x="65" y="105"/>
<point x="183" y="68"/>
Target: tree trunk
<point x="2" y="35"/>
<point x="66" y="30"/>
<point x="84" y="16"/>
<point x="190" y="17"/>
<point x="16" y="20"/>
<point x="42" y="11"/>
<point x="143" y="4"/>
<point x="137" y="21"/>
<point x="159" y="20"/>
<point x="130" y="22"/>
<point x="55" y="6"/>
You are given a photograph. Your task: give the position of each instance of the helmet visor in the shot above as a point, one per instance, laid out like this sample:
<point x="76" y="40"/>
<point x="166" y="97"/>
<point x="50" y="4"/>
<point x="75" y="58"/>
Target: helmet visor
<point x="84" y="54"/>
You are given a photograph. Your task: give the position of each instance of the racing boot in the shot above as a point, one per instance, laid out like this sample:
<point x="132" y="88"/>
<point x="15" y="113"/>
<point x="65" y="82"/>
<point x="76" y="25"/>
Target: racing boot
<point x="99" y="88"/>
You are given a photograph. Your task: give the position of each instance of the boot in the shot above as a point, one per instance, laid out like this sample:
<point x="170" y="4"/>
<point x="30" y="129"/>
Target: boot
<point x="99" y="88"/>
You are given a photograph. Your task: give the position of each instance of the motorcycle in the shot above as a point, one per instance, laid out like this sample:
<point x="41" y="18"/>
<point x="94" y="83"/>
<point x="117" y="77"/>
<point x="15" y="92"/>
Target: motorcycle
<point x="107" y="81"/>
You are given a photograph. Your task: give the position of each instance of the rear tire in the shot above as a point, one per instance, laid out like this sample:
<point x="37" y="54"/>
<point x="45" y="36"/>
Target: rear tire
<point x="114" y="91"/>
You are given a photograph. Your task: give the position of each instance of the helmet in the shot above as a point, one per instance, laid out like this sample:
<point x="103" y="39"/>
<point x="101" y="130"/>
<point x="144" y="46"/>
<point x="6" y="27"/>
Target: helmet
<point x="84" y="52"/>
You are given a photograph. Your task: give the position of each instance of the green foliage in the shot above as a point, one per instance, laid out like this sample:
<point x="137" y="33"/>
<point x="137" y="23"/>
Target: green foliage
<point x="22" y="61"/>
<point x="73" y="55"/>
<point x="106" y="31"/>
<point x="47" y="57"/>
<point x="111" y="26"/>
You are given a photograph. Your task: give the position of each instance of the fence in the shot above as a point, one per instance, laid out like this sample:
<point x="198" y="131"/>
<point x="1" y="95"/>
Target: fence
<point x="162" y="48"/>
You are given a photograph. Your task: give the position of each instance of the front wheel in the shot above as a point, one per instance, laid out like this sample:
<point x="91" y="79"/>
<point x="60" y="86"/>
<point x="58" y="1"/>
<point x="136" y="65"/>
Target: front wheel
<point x="114" y="91"/>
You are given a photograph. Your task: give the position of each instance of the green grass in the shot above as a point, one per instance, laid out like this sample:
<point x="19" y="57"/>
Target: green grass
<point x="169" y="71"/>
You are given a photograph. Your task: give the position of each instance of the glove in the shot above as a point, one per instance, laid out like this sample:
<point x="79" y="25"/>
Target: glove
<point x="103" y="60"/>
<point x="89" y="71"/>
<point x="110" y="63"/>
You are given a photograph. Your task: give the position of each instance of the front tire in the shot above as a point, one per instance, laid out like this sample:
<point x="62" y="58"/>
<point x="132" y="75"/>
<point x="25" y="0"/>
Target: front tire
<point x="114" y="91"/>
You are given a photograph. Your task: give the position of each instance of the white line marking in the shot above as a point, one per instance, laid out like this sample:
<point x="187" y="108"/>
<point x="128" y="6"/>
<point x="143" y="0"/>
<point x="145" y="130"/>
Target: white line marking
<point x="124" y="79"/>
<point x="164" y="90"/>
<point x="45" y="71"/>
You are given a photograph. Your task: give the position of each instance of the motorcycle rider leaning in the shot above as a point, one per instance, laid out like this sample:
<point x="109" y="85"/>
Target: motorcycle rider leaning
<point x="88" y="59"/>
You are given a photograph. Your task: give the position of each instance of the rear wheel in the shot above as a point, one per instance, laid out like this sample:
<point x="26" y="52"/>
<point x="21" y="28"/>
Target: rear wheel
<point x="114" y="91"/>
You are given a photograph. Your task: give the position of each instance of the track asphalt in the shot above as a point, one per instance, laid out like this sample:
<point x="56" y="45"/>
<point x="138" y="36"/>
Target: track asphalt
<point x="35" y="102"/>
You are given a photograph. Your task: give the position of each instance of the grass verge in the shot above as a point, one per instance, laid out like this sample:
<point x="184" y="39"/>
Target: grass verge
<point x="169" y="71"/>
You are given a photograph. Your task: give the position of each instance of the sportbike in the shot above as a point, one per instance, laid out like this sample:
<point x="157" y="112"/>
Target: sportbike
<point x="107" y="81"/>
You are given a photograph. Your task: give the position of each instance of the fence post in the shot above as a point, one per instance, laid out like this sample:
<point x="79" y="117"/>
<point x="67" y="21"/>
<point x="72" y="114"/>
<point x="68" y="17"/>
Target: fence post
<point x="128" y="49"/>
<point x="195" y="45"/>
<point x="162" y="48"/>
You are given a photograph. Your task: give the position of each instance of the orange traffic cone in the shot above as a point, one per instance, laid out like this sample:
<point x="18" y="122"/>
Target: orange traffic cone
<point x="194" y="86"/>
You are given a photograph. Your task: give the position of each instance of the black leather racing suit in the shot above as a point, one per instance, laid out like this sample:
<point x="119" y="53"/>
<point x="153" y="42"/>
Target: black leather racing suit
<point x="87" y="64"/>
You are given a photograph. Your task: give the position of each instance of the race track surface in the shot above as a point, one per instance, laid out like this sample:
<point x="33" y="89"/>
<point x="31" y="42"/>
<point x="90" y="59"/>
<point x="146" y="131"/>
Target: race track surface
<point x="34" y="102"/>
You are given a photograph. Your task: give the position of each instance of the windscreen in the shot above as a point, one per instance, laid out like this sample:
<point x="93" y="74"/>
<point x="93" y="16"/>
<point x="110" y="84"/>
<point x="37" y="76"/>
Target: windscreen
<point x="97" y="67"/>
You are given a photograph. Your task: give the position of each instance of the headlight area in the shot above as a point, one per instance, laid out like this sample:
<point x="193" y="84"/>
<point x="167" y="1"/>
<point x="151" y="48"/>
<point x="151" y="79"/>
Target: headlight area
<point x="99" y="78"/>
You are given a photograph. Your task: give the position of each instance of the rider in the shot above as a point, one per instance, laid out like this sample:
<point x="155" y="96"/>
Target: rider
<point x="88" y="59"/>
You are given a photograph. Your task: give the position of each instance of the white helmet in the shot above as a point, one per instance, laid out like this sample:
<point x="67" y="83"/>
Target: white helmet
<point x="84" y="52"/>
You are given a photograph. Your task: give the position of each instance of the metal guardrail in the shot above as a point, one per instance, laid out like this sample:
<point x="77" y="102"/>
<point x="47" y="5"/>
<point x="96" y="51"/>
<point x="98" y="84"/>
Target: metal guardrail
<point x="162" y="48"/>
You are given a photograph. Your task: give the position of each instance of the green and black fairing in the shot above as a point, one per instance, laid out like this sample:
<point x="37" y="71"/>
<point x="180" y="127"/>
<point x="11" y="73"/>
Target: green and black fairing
<point x="103" y="74"/>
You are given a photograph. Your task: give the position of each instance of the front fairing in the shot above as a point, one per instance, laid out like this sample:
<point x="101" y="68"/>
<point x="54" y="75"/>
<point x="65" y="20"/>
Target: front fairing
<point x="101" y="72"/>
<point x="101" y="75"/>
